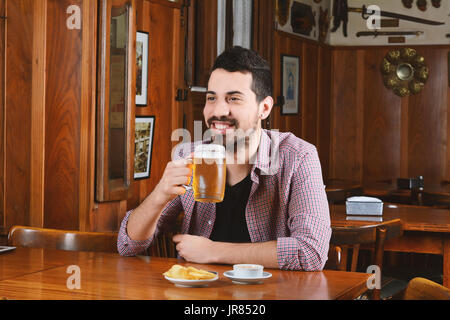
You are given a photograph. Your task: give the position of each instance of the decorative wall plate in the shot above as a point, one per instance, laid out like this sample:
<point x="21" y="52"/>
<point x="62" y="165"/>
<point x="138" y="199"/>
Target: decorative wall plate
<point x="404" y="71"/>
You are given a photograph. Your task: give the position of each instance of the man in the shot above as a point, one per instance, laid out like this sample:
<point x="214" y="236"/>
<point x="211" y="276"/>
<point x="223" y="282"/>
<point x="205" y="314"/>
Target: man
<point x="275" y="211"/>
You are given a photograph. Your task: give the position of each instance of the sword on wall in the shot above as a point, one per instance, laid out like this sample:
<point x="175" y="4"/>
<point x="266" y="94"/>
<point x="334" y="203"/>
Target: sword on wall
<point x="376" y="33"/>
<point x="341" y="10"/>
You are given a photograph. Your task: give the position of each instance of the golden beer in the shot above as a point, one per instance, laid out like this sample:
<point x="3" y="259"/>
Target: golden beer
<point x="209" y="173"/>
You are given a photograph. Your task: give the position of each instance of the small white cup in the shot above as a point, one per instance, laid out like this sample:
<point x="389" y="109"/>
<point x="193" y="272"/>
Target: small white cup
<point x="248" y="270"/>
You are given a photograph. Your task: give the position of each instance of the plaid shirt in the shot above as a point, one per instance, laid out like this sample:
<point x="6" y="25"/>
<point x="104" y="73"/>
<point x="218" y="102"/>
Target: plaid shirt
<point x="287" y="203"/>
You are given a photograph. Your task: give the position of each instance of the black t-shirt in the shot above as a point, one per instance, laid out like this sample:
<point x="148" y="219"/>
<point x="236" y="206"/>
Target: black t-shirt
<point x="230" y="224"/>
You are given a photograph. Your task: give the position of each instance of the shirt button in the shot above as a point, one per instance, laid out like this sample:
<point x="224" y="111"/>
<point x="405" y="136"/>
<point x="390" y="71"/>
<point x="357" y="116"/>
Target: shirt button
<point x="210" y="222"/>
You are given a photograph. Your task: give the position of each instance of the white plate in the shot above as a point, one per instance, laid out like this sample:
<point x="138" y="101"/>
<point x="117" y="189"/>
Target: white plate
<point x="192" y="283"/>
<point x="230" y="275"/>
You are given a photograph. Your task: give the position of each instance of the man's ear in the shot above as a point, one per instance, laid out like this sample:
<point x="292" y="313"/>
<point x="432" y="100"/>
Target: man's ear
<point x="265" y="107"/>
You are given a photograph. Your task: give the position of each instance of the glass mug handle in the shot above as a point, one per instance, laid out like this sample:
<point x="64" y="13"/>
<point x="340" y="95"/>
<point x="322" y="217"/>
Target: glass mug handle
<point x="190" y="165"/>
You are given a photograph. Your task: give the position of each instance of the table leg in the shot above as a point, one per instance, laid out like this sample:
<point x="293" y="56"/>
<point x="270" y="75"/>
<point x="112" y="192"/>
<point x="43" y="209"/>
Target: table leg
<point x="446" y="270"/>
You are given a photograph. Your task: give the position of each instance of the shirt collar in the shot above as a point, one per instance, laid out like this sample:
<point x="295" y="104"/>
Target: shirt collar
<point x="267" y="159"/>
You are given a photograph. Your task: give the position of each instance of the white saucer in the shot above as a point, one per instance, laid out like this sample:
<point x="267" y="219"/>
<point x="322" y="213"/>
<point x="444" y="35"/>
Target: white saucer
<point x="230" y="275"/>
<point x="192" y="283"/>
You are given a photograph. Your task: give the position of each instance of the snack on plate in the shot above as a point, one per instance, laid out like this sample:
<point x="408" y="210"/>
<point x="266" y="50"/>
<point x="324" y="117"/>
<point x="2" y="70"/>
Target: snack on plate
<point x="188" y="273"/>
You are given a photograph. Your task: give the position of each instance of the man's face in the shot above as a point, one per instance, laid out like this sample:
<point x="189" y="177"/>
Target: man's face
<point x="231" y="105"/>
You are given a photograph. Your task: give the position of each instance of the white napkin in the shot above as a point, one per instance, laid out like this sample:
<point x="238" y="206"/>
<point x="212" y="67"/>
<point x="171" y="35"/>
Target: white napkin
<point x="363" y="199"/>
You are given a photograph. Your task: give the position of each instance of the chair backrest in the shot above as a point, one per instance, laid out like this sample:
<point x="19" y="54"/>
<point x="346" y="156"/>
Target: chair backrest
<point x="407" y="192"/>
<point x="344" y="238"/>
<point x="21" y="236"/>
<point x="410" y="183"/>
<point x="424" y="289"/>
<point x="336" y="196"/>
<point x="163" y="246"/>
<point x="436" y="200"/>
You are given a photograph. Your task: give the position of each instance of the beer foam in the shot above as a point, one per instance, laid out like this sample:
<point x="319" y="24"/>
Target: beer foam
<point x="209" y="151"/>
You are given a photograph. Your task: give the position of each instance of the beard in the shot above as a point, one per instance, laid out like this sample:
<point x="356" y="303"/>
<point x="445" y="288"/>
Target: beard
<point x="237" y="140"/>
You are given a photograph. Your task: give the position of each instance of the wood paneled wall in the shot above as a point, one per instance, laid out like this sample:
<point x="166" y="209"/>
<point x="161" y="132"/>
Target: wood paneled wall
<point x="312" y="121"/>
<point x="48" y="136"/>
<point x="163" y="22"/>
<point x="17" y="115"/>
<point x="378" y="136"/>
<point x="63" y="118"/>
<point x="363" y="131"/>
<point x="48" y="116"/>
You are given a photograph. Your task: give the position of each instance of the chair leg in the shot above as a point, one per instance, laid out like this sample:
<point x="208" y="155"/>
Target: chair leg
<point x="344" y="255"/>
<point x="376" y="294"/>
<point x="355" y="257"/>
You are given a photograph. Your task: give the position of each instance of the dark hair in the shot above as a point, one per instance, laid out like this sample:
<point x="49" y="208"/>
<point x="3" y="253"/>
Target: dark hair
<point x="245" y="60"/>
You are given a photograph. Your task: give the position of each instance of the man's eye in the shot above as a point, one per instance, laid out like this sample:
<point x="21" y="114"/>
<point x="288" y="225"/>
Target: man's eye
<point x="233" y="99"/>
<point x="211" y="98"/>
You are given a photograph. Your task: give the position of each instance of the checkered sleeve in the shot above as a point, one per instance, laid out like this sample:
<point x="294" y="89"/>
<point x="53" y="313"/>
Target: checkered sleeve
<point x="128" y="247"/>
<point x="309" y="218"/>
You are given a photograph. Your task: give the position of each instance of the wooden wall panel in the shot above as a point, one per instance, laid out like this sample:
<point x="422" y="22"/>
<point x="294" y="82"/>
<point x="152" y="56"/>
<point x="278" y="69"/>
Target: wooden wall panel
<point x="263" y="37"/>
<point x="398" y="137"/>
<point x="343" y="161"/>
<point x="315" y="93"/>
<point x="323" y="108"/>
<point x="143" y="24"/>
<point x="285" y="44"/>
<point x="161" y="87"/>
<point x="427" y="121"/>
<point x="107" y="216"/>
<point x="2" y="114"/>
<point x="37" y="156"/>
<point x="447" y="162"/>
<point x="18" y="90"/>
<point x="382" y="122"/>
<point x="205" y="40"/>
<point x="62" y="144"/>
<point x="263" y="21"/>
<point x="87" y="154"/>
<point x="163" y="24"/>
<point x="309" y="87"/>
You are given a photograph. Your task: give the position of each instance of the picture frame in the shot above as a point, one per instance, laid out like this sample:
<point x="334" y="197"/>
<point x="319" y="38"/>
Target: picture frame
<point x="144" y="132"/>
<point x="290" y="84"/>
<point x="141" y="68"/>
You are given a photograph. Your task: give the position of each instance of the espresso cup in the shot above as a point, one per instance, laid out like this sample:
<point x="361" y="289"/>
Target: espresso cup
<point x="248" y="270"/>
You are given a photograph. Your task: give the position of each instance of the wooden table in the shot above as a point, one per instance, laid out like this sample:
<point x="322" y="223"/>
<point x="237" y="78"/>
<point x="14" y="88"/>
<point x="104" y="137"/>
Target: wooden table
<point x="340" y="190"/>
<point x="436" y="195"/>
<point x="427" y="230"/>
<point x="41" y="274"/>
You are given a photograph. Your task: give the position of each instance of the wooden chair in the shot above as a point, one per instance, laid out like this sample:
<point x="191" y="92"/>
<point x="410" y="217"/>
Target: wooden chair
<point x="163" y="246"/>
<point x="345" y="238"/>
<point x="408" y="191"/>
<point x="20" y="236"/>
<point x="424" y="289"/>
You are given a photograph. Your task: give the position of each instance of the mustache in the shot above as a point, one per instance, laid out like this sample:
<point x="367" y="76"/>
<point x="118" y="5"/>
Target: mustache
<point x="232" y="122"/>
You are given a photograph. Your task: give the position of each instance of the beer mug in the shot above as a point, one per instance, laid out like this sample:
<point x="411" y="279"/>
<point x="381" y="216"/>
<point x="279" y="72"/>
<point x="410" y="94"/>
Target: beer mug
<point x="209" y="173"/>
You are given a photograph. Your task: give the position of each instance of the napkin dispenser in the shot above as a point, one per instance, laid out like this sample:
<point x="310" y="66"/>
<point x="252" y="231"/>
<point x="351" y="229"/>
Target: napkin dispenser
<point x="364" y="206"/>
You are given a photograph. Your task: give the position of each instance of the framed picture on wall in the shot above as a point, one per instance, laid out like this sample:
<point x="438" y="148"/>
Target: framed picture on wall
<point x="143" y="141"/>
<point x="141" y="68"/>
<point x="290" y="82"/>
